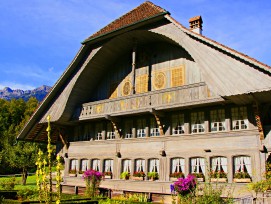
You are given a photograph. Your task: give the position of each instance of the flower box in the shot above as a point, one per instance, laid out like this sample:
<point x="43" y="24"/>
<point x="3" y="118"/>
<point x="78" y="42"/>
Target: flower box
<point x="200" y="179"/>
<point x="173" y="179"/>
<point x="108" y="176"/>
<point x="138" y="178"/>
<point x="242" y="180"/>
<point x="220" y="180"/>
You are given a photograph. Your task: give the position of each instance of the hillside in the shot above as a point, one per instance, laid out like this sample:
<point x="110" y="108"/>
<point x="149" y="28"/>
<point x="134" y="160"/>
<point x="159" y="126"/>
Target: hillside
<point x="39" y="93"/>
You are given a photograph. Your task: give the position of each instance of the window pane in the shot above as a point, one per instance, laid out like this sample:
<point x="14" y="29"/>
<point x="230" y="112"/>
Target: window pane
<point x="177" y="165"/>
<point x="217" y="120"/>
<point x="239" y="118"/>
<point x="177" y="124"/>
<point x="141" y="125"/>
<point x="96" y="164"/>
<point x="154" y="165"/>
<point x="140" y="165"/>
<point x="154" y="129"/>
<point x="197" y="122"/>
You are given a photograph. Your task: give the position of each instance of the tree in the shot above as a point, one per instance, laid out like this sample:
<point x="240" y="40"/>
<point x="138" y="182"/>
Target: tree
<point x="23" y="156"/>
<point x="16" y="155"/>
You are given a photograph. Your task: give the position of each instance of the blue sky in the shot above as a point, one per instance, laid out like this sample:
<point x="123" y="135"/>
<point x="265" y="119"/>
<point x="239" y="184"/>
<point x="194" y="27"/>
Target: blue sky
<point x="39" y="39"/>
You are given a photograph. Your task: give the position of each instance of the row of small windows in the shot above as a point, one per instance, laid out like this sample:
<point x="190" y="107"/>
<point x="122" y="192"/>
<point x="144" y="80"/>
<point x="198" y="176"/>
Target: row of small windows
<point x="196" y="165"/>
<point x="239" y="121"/>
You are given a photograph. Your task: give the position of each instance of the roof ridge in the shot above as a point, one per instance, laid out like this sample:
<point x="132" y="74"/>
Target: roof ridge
<point x="144" y="11"/>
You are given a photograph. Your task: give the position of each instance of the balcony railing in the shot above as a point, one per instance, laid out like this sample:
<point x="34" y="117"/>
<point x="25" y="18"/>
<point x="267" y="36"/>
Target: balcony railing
<point x="162" y="99"/>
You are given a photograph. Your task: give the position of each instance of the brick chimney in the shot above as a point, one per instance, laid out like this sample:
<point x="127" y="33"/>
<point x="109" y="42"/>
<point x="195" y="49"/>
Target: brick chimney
<point x="196" y="24"/>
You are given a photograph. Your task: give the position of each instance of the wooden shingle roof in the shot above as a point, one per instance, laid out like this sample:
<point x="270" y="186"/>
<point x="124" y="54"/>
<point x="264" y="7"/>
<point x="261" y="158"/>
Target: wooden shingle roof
<point x="143" y="12"/>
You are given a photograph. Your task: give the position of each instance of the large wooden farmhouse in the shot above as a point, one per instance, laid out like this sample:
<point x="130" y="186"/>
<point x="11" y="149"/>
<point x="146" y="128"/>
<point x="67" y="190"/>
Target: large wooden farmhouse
<point x="147" y="94"/>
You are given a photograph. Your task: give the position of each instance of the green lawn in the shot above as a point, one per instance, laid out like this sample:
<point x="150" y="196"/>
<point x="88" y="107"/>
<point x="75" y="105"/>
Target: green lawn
<point x="30" y="182"/>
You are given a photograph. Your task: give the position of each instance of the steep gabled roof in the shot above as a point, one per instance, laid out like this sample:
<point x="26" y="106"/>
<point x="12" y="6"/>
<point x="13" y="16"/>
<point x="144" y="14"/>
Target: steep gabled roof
<point x="143" y="12"/>
<point x="219" y="45"/>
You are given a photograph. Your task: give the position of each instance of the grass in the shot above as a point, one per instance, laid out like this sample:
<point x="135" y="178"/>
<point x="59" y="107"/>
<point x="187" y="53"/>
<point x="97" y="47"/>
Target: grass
<point x="30" y="182"/>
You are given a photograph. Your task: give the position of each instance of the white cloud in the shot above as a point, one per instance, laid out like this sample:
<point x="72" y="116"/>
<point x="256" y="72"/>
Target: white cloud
<point x="14" y="86"/>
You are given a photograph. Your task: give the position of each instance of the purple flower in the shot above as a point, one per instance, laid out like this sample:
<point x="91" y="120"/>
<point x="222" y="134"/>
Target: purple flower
<point x="172" y="190"/>
<point x="92" y="174"/>
<point x="184" y="185"/>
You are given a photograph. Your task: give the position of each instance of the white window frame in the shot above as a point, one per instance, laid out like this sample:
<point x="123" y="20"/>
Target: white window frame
<point x="242" y="164"/>
<point x="219" y="164"/>
<point x="154" y="130"/>
<point x="99" y="136"/>
<point x="239" y="118"/>
<point x="197" y="165"/>
<point x="154" y="165"/>
<point x="110" y="135"/>
<point x="98" y="131"/>
<point x="84" y="164"/>
<point x="140" y="165"/>
<point x="126" y="165"/>
<point x="217" y="120"/>
<point x="96" y="164"/>
<point x="141" y="128"/>
<point x="108" y="165"/>
<point x="128" y="129"/>
<point x="74" y="165"/>
<point x="197" y="122"/>
<point x="177" y="121"/>
<point x="177" y="165"/>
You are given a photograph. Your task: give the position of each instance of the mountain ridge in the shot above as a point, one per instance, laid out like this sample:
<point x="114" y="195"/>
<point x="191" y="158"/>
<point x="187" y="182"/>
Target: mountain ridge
<point x="39" y="93"/>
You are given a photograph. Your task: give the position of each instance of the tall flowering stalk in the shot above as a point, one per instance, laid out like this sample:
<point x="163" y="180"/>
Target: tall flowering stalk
<point x="92" y="179"/>
<point x="49" y="150"/>
<point x="58" y="179"/>
<point x="44" y="186"/>
<point x="39" y="174"/>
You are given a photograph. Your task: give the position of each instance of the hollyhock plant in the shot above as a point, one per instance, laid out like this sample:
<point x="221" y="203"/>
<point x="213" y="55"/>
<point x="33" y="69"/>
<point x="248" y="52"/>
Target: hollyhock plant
<point x="184" y="186"/>
<point x="93" y="179"/>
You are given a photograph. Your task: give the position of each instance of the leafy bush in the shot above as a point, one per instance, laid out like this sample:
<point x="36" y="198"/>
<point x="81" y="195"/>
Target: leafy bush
<point x="8" y="184"/>
<point x="27" y="193"/>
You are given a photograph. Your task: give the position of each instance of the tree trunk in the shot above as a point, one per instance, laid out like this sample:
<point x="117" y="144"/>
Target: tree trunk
<point x="24" y="176"/>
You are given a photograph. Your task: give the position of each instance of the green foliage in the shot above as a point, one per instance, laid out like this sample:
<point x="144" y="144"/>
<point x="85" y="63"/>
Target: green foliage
<point x="153" y="175"/>
<point x="13" y="115"/>
<point x="8" y="183"/>
<point x="125" y="175"/>
<point x="240" y="175"/>
<point x="206" y="193"/>
<point x="27" y="194"/>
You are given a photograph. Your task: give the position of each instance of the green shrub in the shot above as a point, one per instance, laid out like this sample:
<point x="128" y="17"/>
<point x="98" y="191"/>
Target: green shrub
<point x="27" y="193"/>
<point x="8" y="184"/>
<point x="153" y="175"/>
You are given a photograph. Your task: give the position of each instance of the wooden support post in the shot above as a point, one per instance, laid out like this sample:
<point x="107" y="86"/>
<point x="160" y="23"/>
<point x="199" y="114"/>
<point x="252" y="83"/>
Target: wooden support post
<point x="258" y="120"/>
<point x="133" y="66"/>
<point x="114" y="122"/>
<point x="76" y="190"/>
<point x="157" y="115"/>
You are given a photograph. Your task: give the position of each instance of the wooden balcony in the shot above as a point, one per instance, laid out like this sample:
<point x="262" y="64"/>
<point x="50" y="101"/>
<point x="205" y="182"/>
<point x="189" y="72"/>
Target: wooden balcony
<point x="139" y="103"/>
